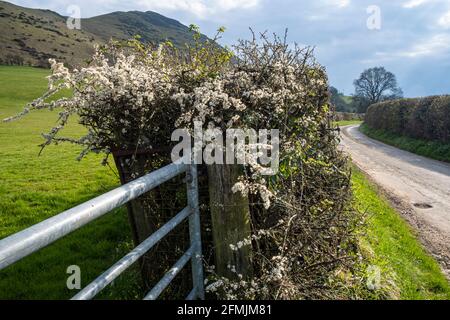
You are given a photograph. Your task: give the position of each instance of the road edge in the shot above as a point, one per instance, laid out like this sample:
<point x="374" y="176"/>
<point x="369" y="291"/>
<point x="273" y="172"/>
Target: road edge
<point x="424" y="232"/>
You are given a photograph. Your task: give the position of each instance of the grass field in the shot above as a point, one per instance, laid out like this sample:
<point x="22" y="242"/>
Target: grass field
<point x="33" y="188"/>
<point x="408" y="272"/>
<point x="348" y="122"/>
<point x="431" y="149"/>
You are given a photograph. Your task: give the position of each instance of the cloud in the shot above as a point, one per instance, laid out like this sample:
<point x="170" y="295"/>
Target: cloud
<point x="338" y="3"/>
<point x="435" y="46"/>
<point x="415" y="34"/>
<point x="236" y="4"/>
<point x="202" y="9"/>
<point x="414" y="3"/>
<point x="342" y="3"/>
<point x="444" y="21"/>
<point x="199" y="8"/>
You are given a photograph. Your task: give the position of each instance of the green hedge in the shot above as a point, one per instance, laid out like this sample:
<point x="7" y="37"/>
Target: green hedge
<point x="422" y="118"/>
<point x="430" y="149"/>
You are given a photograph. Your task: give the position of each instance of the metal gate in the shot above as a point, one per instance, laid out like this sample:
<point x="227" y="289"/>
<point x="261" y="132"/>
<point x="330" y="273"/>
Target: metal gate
<point x="23" y="243"/>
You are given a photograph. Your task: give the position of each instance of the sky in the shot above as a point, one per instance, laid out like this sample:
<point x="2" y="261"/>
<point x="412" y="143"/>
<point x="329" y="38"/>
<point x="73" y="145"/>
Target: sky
<point x="410" y="38"/>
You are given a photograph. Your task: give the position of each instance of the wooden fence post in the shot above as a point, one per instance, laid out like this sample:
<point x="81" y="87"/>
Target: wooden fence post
<point x="147" y="214"/>
<point x="230" y="215"/>
<point x="141" y="227"/>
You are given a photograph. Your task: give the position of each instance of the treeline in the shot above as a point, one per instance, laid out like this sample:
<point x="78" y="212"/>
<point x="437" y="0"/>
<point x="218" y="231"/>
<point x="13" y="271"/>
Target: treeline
<point x="16" y="60"/>
<point x="340" y="102"/>
<point x="12" y="60"/>
<point x="421" y="118"/>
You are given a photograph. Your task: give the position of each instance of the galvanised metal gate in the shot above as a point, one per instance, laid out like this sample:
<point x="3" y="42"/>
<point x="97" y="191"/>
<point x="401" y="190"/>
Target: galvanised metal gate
<point x="22" y="244"/>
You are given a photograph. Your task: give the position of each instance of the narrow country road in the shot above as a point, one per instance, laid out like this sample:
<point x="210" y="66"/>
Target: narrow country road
<point x="419" y="186"/>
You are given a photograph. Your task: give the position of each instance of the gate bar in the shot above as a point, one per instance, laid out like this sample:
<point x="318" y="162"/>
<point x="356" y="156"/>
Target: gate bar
<point x="195" y="231"/>
<point x="23" y="243"/>
<point x="109" y="275"/>
<point x="192" y="295"/>
<point x="170" y="275"/>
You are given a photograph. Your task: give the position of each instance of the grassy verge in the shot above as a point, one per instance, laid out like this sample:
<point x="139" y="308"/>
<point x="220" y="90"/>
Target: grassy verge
<point x="33" y="188"/>
<point x="430" y="149"/>
<point x="348" y="122"/>
<point x="408" y="272"/>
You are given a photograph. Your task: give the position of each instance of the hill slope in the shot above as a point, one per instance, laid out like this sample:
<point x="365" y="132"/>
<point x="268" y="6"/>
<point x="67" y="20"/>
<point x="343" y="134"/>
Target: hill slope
<point x="151" y="26"/>
<point x="341" y="102"/>
<point x="32" y="36"/>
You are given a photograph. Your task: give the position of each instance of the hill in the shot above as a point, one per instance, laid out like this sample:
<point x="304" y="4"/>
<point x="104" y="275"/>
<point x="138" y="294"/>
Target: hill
<point x="341" y="102"/>
<point x="32" y="36"/>
<point x="151" y="26"/>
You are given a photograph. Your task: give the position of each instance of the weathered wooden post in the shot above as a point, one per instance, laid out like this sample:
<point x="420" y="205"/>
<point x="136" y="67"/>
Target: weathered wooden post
<point x="231" y="222"/>
<point x="129" y="163"/>
<point x="146" y="213"/>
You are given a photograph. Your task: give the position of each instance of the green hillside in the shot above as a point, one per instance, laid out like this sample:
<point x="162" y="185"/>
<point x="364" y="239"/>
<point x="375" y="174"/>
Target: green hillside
<point x="32" y="36"/>
<point x="341" y="102"/>
<point x="151" y="26"/>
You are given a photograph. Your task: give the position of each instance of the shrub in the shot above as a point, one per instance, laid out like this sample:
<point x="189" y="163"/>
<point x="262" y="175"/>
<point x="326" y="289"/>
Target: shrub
<point x="304" y="243"/>
<point x="134" y="96"/>
<point x="422" y="118"/>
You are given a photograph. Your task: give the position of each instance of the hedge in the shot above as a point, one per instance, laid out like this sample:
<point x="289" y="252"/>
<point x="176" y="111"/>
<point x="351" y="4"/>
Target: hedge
<point x="420" y="118"/>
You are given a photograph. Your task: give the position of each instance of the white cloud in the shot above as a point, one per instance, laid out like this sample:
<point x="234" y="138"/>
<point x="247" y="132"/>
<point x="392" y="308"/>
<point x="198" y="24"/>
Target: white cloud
<point x="200" y="8"/>
<point x="338" y="3"/>
<point x="435" y="46"/>
<point x="236" y="4"/>
<point x="444" y="21"/>
<point x="414" y="3"/>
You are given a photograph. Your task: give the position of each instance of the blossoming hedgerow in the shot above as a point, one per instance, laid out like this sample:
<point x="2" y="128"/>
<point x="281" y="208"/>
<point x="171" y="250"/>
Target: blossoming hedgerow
<point x="133" y="97"/>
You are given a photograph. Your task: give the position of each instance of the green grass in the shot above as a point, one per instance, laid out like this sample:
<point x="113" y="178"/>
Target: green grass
<point x="408" y="272"/>
<point x="348" y="99"/>
<point x="33" y="188"/>
<point x="348" y="122"/>
<point x="431" y="149"/>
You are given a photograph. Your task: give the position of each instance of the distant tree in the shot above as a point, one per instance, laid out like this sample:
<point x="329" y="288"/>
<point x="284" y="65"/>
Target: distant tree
<point x="13" y="60"/>
<point x="375" y="85"/>
<point x="43" y="63"/>
<point x="360" y="104"/>
<point x="338" y="101"/>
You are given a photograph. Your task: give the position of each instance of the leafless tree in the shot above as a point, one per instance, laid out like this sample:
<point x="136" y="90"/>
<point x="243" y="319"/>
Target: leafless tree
<point x="375" y="85"/>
